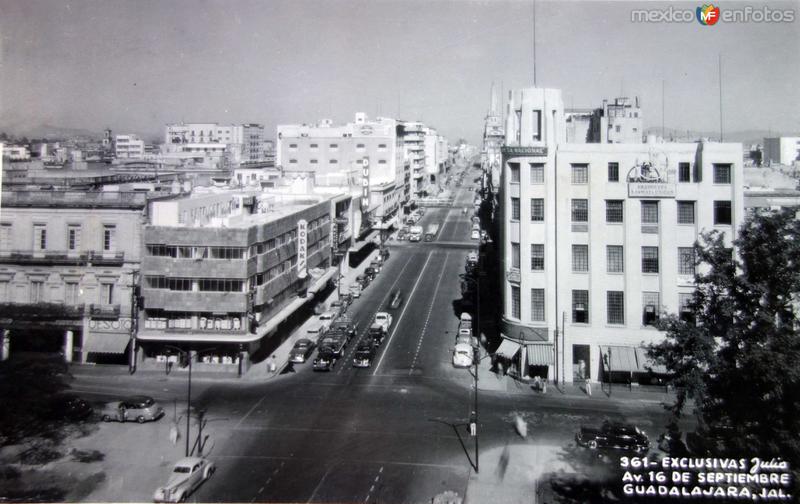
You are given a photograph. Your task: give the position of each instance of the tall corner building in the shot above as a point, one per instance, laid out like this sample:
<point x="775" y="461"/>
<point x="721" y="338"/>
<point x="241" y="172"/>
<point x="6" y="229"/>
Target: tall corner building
<point x="597" y="240"/>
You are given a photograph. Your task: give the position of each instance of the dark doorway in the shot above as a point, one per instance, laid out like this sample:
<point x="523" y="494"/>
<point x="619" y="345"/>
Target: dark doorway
<point x="581" y="362"/>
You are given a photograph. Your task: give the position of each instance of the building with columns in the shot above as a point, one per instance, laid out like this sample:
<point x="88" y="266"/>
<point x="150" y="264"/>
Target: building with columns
<point x="597" y="239"/>
<point x="68" y="264"/>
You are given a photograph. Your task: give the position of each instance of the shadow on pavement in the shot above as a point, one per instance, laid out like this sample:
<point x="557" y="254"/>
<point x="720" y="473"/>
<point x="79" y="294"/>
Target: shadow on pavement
<point x="455" y="427"/>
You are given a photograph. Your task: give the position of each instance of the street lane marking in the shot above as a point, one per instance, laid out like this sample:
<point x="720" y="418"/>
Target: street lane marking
<point x="352" y="350"/>
<point x="397" y="324"/>
<point x="428" y="317"/>
<point x="318" y="486"/>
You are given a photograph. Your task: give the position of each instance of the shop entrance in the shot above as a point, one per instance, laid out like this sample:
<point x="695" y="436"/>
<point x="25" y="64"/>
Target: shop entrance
<point x="581" y="362"/>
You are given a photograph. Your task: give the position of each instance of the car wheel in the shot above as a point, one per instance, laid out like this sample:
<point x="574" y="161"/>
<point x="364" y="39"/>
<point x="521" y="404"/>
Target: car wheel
<point x="592" y="444"/>
<point x="106" y="418"/>
<point x="140" y="419"/>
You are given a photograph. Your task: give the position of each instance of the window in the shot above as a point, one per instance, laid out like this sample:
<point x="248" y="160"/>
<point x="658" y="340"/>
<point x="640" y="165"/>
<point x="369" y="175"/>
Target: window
<point x="359" y="147"/>
<point x="109" y="237"/>
<point x="686" y="261"/>
<point x="334" y="146"/>
<point x="220" y="285"/>
<point x="515" y="302"/>
<point x="314" y="146"/>
<point x="650" y="308"/>
<point x="684" y="307"/>
<point x="617" y="128"/>
<point x="537" y="173"/>
<point x="292" y="161"/>
<point x="39" y="237"/>
<point x="649" y="212"/>
<point x="615" y="307"/>
<point x="292" y="147"/>
<point x="722" y="173"/>
<point x="580" y="174"/>
<point x="580" y="307"/>
<point x="515" y="209"/>
<point x="580" y="210"/>
<point x="313" y="161"/>
<point x="37" y="292"/>
<point x="684" y="172"/>
<point x="536" y="124"/>
<point x="334" y="161"/>
<point x="722" y="212"/>
<point x="613" y="172"/>
<point x="71" y="293"/>
<point x="179" y="284"/>
<point x="73" y="237"/>
<point x="686" y="212"/>
<point x="515" y="255"/>
<point x="580" y="258"/>
<point x="537" y="256"/>
<point x="5" y="236"/>
<point x="537" y="305"/>
<point x="537" y="209"/>
<point x="614" y="211"/>
<point x="615" y="260"/>
<point x="107" y="293"/>
<point x="649" y="259"/>
<point x="513" y="170"/>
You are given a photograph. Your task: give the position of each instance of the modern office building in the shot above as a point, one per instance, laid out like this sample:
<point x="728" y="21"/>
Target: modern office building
<point x="242" y="142"/>
<point x="128" y="147"/>
<point x="782" y="150"/>
<point x="68" y="261"/>
<point x="222" y="269"/>
<point x="597" y="240"/>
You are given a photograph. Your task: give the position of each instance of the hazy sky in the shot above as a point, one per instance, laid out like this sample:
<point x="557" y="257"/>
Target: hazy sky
<point x="135" y="65"/>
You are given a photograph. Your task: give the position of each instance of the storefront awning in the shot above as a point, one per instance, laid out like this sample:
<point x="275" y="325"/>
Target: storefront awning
<point x="360" y="244"/>
<point x="508" y="349"/>
<point x="196" y="337"/>
<point x="540" y="354"/>
<point x="106" y="343"/>
<point x="319" y="283"/>
<point x="646" y="364"/>
<point x="619" y="359"/>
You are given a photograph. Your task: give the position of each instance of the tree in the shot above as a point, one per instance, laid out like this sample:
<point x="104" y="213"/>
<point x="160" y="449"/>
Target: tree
<point x="740" y="357"/>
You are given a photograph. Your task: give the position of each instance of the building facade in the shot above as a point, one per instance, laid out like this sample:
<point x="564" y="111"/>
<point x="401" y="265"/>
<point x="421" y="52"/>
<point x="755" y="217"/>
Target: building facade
<point x="597" y="240"/>
<point x="68" y="264"/>
<point x="782" y="150"/>
<point x="242" y="143"/>
<point x="128" y="147"/>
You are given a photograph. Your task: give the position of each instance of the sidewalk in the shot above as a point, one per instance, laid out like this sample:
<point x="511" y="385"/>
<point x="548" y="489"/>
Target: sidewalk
<point x="280" y="356"/>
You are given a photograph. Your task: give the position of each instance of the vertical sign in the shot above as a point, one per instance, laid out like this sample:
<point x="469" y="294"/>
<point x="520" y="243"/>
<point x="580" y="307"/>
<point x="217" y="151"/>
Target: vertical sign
<point x="365" y="185"/>
<point x="302" y="248"/>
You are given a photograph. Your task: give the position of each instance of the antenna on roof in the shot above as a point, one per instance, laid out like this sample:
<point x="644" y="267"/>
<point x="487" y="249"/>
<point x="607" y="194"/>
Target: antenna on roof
<point x="534" y="43"/>
<point x="663" y="134"/>
<point x="719" y="77"/>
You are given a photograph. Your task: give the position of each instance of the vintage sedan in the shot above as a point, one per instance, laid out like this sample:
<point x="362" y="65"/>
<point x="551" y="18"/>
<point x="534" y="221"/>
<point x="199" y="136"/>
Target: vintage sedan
<point x="137" y="408"/>
<point x="365" y="352"/>
<point x="187" y="474"/>
<point x="463" y="355"/>
<point x="614" y="436"/>
<point x="325" y="360"/>
<point x="301" y="350"/>
<point x="384" y="320"/>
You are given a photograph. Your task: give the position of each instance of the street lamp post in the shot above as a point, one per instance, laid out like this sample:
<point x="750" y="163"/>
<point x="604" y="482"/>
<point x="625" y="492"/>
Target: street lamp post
<point x="188" y="354"/>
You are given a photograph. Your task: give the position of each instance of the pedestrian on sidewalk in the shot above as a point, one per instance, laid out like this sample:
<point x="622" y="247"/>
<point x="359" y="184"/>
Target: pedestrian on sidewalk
<point x="588" y="387"/>
<point x="174" y="433"/>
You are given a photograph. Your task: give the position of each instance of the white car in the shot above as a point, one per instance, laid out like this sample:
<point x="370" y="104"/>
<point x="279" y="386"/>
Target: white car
<point x="187" y="474"/>
<point x="384" y="320"/>
<point x="462" y="355"/>
<point x="325" y="320"/>
<point x="476" y="235"/>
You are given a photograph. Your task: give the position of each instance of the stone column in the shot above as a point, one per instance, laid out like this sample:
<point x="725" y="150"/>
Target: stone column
<point x="5" y="344"/>
<point x="68" y="343"/>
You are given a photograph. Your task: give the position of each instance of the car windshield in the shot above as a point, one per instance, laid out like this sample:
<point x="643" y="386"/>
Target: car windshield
<point x="301" y="346"/>
<point x="182" y="469"/>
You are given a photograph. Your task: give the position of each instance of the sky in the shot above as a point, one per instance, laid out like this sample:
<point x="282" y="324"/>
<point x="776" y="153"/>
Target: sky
<point x="134" y="66"/>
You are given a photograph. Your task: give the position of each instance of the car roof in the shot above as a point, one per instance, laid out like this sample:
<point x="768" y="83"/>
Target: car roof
<point x="302" y="341"/>
<point x="461" y="347"/>
<point x="381" y="314"/>
<point x="188" y="461"/>
<point x="327" y="314"/>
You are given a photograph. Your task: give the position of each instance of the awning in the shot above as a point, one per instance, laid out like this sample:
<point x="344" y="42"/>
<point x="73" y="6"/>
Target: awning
<point x="107" y="343"/>
<point x="622" y="359"/>
<point x="363" y="243"/>
<point x="508" y="349"/>
<point x="321" y="281"/>
<point x="196" y="337"/>
<point x="646" y="364"/>
<point x="540" y="354"/>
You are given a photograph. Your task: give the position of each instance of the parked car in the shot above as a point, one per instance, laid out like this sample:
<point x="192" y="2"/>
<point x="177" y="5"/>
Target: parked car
<point x="68" y="407"/>
<point x="384" y="320"/>
<point x="326" y="319"/>
<point x="376" y="265"/>
<point x="363" y="280"/>
<point x="401" y="234"/>
<point x="396" y="300"/>
<point x="301" y="350"/>
<point x="187" y="474"/>
<point x="475" y="235"/>
<point x="384" y="254"/>
<point x="365" y="352"/>
<point x="614" y="436"/>
<point x="370" y="273"/>
<point x="314" y="332"/>
<point x="325" y="360"/>
<point x="462" y="355"/>
<point x="338" y="307"/>
<point x="355" y="289"/>
<point x="137" y="408"/>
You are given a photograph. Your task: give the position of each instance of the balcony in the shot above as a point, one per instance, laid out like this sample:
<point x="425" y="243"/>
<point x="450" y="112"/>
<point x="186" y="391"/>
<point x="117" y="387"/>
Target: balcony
<point x="36" y="312"/>
<point x="74" y="199"/>
<point x="62" y="257"/>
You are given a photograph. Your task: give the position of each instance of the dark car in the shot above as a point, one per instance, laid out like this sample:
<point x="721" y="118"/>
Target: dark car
<point x="69" y="407"/>
<point x="345" y="325"/>
<point x="401" y="235"/>
<point x="334" y="342"/>
<point x="614" y="436"/>
<point x="376" y="333"/>
<point x="371" y="273"/>
<point x="365" y="352"/>
<point x="325" y="360"/>
<point x="363" y="280"/>
<point x="396" y="300"/>
<point x="301" y="350"/>
<point x="384" y="254"/>
<point x="137" y="408"/>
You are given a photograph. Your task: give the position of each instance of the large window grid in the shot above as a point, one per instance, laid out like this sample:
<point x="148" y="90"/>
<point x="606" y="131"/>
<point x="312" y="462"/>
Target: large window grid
<point x="722" y="173"/>
<point x="513" y="169"/>
<point x="515" y="302"/>
<point x="580" y="306"/>
<point x="649" y="212"/>
<point x="613" y="172"/>
<point x="685" y="212"/>
<point x="580" y="258"/>
<point x="650" y="307"/>
<point x="615" y="307"/>
<point x="537" y="256"/>
<point x="686" y="261"/>
<point x="649" y="259"/>
<point x="537" y="305"/>
<point x="580" y="210"/>
<point x="722" y="213"/>
<point x="615" y="259"/>
<point x="614" y="211"/>
<point x="580" y="174"/>
<point x="684" y="172"/>
<point x="537" y="209"/>
<point x="537" y="173"/>
<point x="515" y="209"/>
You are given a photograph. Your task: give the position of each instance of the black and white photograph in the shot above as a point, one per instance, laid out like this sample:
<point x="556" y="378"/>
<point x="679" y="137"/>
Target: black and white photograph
<point x="400" y="251"/>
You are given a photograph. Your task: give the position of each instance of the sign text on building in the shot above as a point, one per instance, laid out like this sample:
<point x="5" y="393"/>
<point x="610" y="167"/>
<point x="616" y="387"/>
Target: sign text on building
<point x="523" y="151"/>
<point x="302" y="248"/>
<point x="365" y="185"/>
<point x="647" y="181"/>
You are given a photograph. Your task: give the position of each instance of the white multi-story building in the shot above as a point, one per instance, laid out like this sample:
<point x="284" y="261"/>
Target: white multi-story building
<point x="128" y="147"/>
<point x="243" y="142"/>
<point x="782" y="150"/>
<point x="597" y="240"/>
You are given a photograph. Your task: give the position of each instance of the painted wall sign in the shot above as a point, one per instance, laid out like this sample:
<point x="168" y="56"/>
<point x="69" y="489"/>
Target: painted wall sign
<point x="523" y="151"/>
<point x="647" y="181"/>
<point x="365" y="185"/>
<point x="302" y="248"/>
